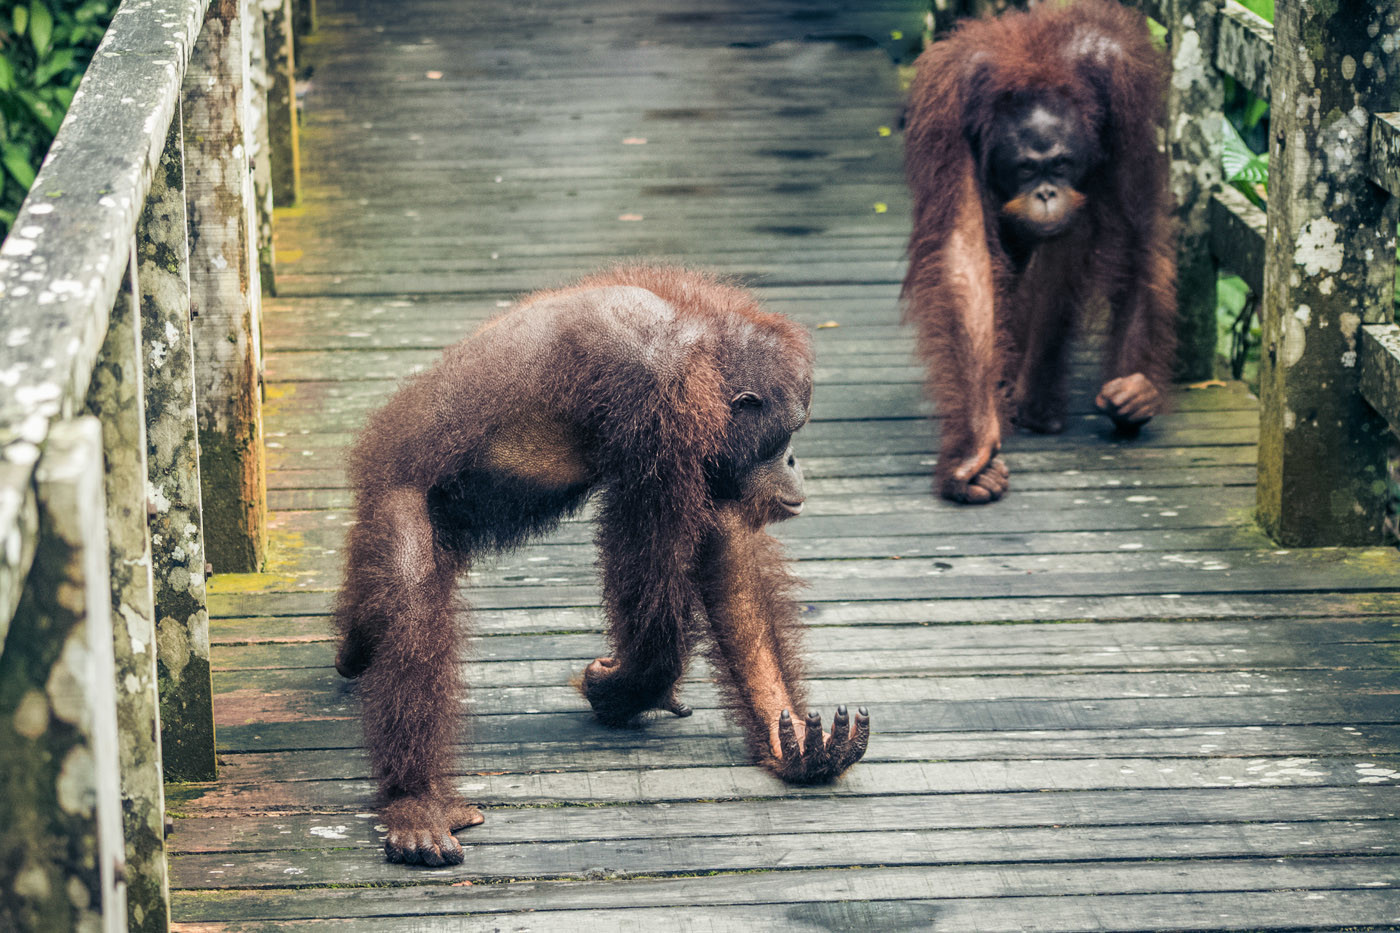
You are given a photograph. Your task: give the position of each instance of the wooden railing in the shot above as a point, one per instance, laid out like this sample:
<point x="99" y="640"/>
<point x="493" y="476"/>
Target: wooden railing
<point x="1321" y="262"/>
<point x="130" y="433"/>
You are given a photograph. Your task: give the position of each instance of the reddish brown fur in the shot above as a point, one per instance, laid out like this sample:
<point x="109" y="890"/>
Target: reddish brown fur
<point x="627" y="383"/>
<point x="1096" y="56"/>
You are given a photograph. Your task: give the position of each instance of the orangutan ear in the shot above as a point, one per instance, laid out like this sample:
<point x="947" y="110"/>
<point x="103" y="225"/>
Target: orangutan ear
<point x="745" y="400"/>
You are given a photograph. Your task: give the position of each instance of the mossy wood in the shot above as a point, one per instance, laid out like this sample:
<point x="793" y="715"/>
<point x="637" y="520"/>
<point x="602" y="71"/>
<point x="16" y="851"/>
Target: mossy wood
<point x="224" y="294"/>
<point x="1330" y="268"/>
<point x="116" y="395"/>
<point x="60" y="804"/>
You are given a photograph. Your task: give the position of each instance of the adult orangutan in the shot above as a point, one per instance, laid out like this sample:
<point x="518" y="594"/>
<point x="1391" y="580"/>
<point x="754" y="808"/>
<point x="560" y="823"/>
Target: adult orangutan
<point x="1031" y="150"/>
<point x="671" y="396"/>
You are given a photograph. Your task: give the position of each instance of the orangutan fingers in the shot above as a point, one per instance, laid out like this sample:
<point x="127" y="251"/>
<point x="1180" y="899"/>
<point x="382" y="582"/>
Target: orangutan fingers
<point x="840" y="734"/>
<point x="814" y="746"/>
<point x="860" y="739"/>
<point x="787" y="738"/>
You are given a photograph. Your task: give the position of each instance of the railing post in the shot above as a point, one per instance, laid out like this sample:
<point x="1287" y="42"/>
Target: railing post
<point x="224" y="296"/>
<point x="282" y="128"/>
<point x="176" y="517"/>
<point x="59" y="801"/>
<point x="259" y="147"/>
<point x="116" y="397"/>
<point x="1194" y="103"/>
<point x="1329" y="269"/>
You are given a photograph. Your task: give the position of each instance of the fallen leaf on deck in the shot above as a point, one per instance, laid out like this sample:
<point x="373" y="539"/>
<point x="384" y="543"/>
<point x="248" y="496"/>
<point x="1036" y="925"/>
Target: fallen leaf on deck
<point x="435" y="76"/>
<point x="827" y="324"/>
<point x="883" y="131"/>
<point x="635" y="141"/>
<point x="629" y="216"/>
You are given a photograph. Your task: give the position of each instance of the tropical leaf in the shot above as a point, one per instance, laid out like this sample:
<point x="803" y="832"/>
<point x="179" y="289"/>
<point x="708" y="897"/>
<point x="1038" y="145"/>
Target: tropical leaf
<point x="16" y="161"/>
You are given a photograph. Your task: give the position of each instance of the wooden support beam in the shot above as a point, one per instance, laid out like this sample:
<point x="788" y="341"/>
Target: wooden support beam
<point x="1245" y="47"/>
<point x="175" y="511"/>
<point x="116" y="396"/>
<point x="282" y="128"/>
<point x="1194" y="140"/>
<point x="259" y="145"/>
<point x="1237" y="231"/>
<point x="224" y="296"/>
<point x="1380" y="370"/>
<point x="1330" y="268"/>
<point x="61" y="851"/>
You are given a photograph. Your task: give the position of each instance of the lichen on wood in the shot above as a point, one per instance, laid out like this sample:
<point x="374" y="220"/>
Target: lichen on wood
<point x="59" y="802"/>
<point x="176" y="515"/>
<point x="224" y="296"/>
<point x="1194" y="142"/>
<point x="1329" y="269"/>
<point x="116" y="396"/>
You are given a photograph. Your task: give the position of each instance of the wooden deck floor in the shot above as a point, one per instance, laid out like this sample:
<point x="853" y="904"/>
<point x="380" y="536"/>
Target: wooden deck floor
<point x="1106" y="703"/>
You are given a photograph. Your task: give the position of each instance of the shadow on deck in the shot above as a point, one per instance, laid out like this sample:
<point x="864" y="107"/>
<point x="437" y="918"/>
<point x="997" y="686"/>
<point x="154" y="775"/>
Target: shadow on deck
<point x="1105" y="703"/>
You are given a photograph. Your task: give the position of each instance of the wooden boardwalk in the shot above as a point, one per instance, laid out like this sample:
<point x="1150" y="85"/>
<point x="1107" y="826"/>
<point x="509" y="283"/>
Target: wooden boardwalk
<point x="1106" y="703"/>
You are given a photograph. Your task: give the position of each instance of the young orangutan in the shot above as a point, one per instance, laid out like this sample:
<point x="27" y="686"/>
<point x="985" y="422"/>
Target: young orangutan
<point x="673" y="398"/>
<point x="1031" y="151"/>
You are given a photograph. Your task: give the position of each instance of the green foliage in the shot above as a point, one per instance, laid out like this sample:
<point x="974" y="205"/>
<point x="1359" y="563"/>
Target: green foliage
<point x="1264" y="8"/>
<point x="1245" y="169"/>
<point x="45" y="46"/>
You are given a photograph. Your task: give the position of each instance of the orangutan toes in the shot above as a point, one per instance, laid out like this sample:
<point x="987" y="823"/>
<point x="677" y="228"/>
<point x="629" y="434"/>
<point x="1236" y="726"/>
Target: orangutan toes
<point x="815" y="758"/>
<point x="420" y="830"/>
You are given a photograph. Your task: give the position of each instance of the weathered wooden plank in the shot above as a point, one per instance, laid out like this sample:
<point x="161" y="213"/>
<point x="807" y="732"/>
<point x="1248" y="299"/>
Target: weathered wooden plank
<point x="270" y="612"/>
<point x="1380" y="370"/>
<point x="930" y="649"/>
<point x="116" y="396"/>
<point x="737" y="819"/>
<point x="650" y="752"/>
<point x="175" y="517"/>
<point x="1330" y="268"/>
<point x="1383" y="166"/>
<point x="578" y="858"/>
<point x="544" y="573"/>
<point x="889" y="886"/>
<point x="1237" y="230"/>
<point x="1194" y="144"/>
<point x="59" y="797"/>
<point x="224" y="294"/>
<point x="908" y="716"/>
<point x="1244" y="48"/>
<point x="1333" y="910"/>
<point x="252" y="697"/>
<point x="282" y="122"/>
<point x="257" y="141"/>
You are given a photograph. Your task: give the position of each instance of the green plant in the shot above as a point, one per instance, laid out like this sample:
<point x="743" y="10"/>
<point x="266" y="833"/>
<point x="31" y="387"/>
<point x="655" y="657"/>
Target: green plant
<point x="1245" y="169"/>
<point x="44" y="50"/>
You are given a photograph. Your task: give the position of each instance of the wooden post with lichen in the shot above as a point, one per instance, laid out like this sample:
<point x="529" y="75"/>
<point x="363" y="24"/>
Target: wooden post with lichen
<point x="59" y="801"/>
<point x="172" y="433"/>
<point x="259" y="146"/>
<point x="223" y="296"/>
<point x="1194" y="103"/>
<point x="303" y="17"/>
<point x="116" y="397"/>
<point x="282" y="130"/>
<point x="1329" y="269"/>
